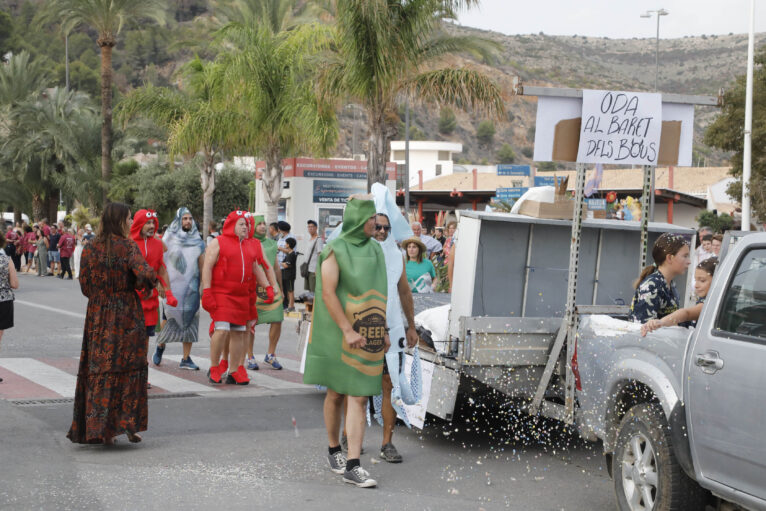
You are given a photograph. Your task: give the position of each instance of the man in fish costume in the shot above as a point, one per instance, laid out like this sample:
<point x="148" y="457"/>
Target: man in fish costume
<point x="268" y="313"/>
<point x="142" y="230"/>
<point x="390" y="227"/>
<point x="183" y="259"/>
<point x="232" y="261"/>
<point x="348" y="333"/>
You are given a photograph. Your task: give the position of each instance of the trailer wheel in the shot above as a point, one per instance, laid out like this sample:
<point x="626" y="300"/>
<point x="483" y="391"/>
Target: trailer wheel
<point x="647" y="475"/>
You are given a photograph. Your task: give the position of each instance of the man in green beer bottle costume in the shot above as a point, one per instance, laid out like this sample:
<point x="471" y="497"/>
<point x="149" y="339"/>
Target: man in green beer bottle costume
<point x="348" y="333"/>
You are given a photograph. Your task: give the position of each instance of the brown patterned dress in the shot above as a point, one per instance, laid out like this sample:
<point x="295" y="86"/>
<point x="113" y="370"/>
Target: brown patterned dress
<point x="110" y="398"/>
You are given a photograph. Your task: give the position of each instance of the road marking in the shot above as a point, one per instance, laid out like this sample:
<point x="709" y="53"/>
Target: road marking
<point x="51" y="309"/>
<point x="43" y="374"/>
<point x="256" y="377"/>
<point x="287" y="363"/>
<point x="175" y="384"/>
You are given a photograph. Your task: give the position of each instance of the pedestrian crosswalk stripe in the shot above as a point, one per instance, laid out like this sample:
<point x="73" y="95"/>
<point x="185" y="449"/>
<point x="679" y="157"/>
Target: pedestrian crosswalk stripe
<point x="42" y="374"/>
<point x="51" y="309"/>
<point x="175" y="384"/>
<point x="287" y="363"/>
<point x="256" y="377"/>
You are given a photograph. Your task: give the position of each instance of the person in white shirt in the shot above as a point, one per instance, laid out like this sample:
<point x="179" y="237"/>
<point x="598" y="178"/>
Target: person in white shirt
<point x="315" y="246"/>
<point x="432" y="245"/>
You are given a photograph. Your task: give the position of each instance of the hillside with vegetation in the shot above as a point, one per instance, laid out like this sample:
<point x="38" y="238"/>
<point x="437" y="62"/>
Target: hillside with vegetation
<point x="154" y="54"/>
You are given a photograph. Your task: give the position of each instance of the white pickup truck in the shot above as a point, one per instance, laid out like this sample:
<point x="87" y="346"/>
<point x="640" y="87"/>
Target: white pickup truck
<point x="681" y="412"/>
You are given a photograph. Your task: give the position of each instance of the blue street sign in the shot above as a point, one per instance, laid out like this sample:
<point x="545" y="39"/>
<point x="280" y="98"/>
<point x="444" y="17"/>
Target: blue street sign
<point x="513" y="170"/>
<point x="597" y="204"/>
<point x="547" y="180"/>
<point x="507" y="194"/>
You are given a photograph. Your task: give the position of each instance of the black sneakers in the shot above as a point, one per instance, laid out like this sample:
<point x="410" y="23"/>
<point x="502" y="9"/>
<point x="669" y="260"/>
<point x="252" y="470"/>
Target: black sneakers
<point x="359" y="477"/>
<point x="337" y="462"/>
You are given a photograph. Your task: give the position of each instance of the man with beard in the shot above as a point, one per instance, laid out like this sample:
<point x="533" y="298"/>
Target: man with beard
<point x="183" y="259"/>
<point x="142" y="231"/>
<point x="232" y="261"/>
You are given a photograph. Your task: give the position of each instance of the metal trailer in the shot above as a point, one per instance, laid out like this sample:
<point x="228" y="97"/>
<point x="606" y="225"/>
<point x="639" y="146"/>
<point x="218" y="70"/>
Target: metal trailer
<point x="519" y="353"/>
<point x="509" y="303"/>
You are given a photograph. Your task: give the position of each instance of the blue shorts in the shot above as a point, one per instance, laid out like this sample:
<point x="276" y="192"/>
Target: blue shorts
<point x="53" y="256"/>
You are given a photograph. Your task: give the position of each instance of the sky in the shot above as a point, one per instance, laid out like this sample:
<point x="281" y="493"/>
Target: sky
<point x="615" y="18"/>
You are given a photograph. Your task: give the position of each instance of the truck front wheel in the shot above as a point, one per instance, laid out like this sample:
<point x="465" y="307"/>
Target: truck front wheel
<point x="647" y="475"/>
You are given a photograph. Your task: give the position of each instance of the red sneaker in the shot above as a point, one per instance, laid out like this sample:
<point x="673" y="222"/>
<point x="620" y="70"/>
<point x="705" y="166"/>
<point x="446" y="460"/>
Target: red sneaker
<point x="214" y="375"/>
<point x="238" y="377"/>
<point x="223" y="366"/>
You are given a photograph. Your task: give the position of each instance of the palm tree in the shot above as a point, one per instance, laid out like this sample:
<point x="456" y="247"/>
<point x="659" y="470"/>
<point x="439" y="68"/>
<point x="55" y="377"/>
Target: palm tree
<point x="389" y="49"/>
<point x="21" y="77"/>
<point x="199" y="118"/>
<point x="270" y="69"/>
<point x="106" y="17"/>
<point x="50" y="136"/>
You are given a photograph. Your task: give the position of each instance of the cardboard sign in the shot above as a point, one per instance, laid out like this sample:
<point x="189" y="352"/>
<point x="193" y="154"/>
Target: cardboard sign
<point x="558" y="126"/>
<point x="620" y="127"/>
<point x="513" y="170"/>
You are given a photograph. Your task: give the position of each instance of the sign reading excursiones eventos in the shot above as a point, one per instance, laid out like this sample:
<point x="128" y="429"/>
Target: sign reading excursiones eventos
<point x="620" y="127"/>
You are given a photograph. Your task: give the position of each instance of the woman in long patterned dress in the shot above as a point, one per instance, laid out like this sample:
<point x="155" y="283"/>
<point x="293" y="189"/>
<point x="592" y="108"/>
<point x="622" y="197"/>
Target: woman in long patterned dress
<point x="110" y="398"/>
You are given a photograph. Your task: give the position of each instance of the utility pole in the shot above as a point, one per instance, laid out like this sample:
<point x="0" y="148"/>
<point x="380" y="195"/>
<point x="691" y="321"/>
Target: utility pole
<point x="747" y="149"/>
<point x="66" y="58"/>
<point x="407" y="159"/>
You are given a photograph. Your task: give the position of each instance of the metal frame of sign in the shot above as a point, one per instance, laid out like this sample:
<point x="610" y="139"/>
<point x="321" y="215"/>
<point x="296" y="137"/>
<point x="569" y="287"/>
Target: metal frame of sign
<point x="568" y="328"/>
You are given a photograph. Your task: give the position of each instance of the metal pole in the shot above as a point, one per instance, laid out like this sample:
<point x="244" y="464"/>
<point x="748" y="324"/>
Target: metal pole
<point x="657" y="53"/>
<point x="66" y="58"/>
<point x="747" y="149"/>
<point x="648" y="188"/>
<point x="407" y="159"/>
<point x="353" y="131"/>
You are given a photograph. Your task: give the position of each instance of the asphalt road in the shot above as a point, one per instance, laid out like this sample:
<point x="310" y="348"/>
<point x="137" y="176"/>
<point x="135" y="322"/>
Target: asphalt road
<point x="239" y="450"/>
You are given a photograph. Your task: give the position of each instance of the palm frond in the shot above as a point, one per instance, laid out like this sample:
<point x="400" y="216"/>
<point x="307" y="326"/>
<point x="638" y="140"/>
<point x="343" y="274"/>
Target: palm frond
<point x="462" y="88"/>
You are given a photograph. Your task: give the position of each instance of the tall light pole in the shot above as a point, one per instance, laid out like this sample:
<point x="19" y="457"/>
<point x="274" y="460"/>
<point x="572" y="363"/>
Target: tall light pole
<point x="747" y="148"/>
<point x="648" y="14"/>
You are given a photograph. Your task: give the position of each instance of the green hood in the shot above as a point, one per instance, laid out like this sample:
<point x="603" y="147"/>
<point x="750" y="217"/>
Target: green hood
<point x="357" y="213"/>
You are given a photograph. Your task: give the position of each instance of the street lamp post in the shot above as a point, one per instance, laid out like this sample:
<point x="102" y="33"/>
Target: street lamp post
<point x="648" y="14"/>
<point x="747" y="145"/>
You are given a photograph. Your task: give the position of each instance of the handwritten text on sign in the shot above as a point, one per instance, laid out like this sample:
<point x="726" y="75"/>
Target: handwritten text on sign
<point x="620" y="127"/>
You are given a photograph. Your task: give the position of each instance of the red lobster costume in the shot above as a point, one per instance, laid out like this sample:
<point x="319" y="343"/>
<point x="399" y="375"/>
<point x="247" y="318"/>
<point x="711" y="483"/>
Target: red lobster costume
<point x="231" y="296"/>
<point x="153" y="251"/>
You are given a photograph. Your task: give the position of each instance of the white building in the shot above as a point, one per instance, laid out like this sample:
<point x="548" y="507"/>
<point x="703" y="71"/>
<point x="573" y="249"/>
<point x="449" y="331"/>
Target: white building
<point x="432" y="157"/>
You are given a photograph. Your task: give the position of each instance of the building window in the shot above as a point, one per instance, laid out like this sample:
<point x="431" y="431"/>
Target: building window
<point x="444" y="156"/>
<point x="399" y="156"/>
<point x="438" y="169"/>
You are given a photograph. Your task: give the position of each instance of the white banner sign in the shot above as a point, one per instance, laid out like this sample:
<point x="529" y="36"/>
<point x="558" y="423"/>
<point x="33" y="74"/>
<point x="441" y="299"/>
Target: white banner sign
<point x="620" y="127"/>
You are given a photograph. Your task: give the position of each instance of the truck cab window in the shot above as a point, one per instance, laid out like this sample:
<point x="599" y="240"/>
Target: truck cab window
<point x="743" y="310"/>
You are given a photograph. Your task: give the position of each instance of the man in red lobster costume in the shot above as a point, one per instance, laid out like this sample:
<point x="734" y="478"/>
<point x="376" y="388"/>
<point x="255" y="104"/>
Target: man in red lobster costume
<point x="233" y="266"/>
<point x="142" y="230"/>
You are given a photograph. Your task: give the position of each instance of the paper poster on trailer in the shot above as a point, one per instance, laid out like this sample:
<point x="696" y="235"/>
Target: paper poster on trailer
<point x="552" y="110"/>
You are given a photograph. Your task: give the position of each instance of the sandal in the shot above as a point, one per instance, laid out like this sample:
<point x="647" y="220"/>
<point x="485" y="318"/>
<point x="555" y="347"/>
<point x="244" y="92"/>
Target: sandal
<point x="134" y="438"/>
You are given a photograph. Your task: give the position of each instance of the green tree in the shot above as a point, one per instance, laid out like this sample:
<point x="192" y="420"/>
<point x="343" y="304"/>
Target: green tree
<point x="506" y="154"/>
<point x="271" y="69"/>
<point x="447" y="121"/>
<point x="106" y="17"/>
<point x="199" y="118"/>
<point x="726" y="133"/>
<point x="485" y="133"/>
<point x="719" y="223"/>
<point x="6" y="32"/>
<point x="20" y="78"/>
<point x="81" y="77"/>
<point x="48" y="146"/>
<point x="390" y="48"/>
